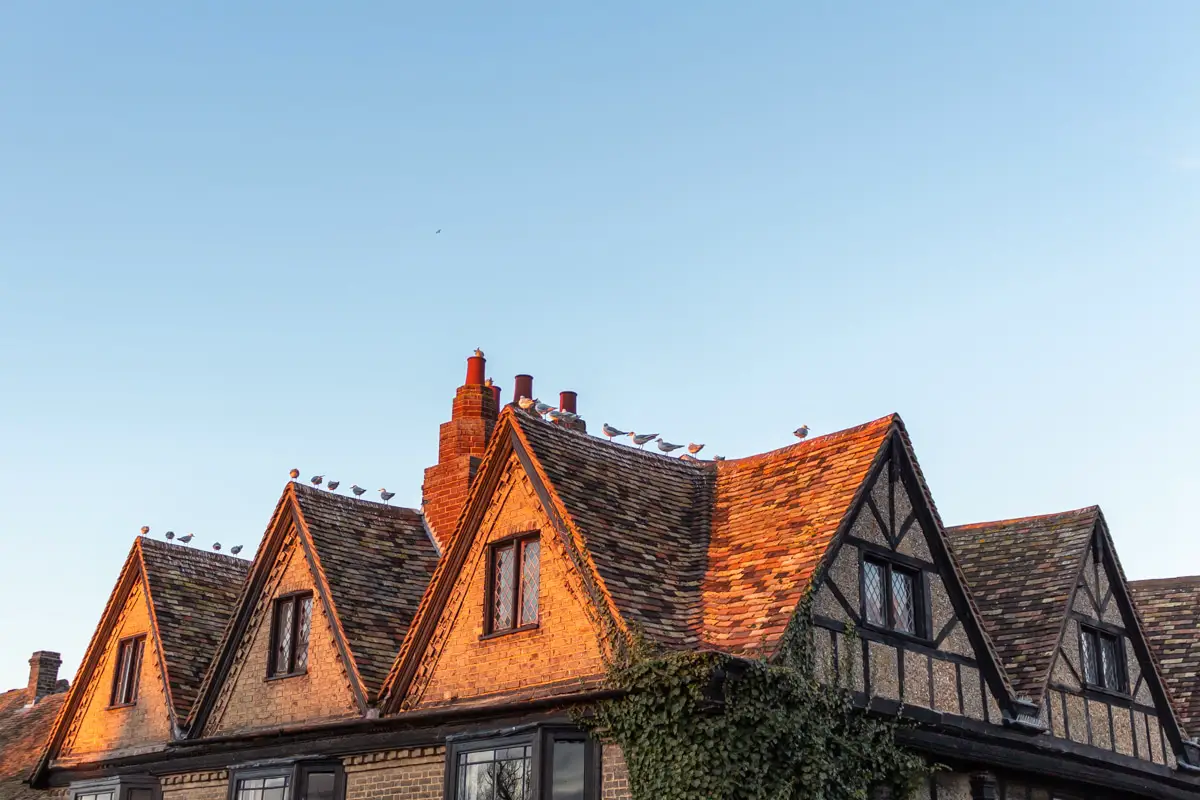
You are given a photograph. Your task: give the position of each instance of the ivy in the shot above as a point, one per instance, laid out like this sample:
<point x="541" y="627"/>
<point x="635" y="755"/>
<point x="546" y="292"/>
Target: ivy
<point x="707" y="725"/>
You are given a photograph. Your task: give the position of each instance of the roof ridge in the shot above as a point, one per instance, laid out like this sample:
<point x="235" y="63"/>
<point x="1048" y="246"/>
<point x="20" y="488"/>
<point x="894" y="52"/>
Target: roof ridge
<point x="1032" y="518"/>
<point x="355" y="502"/>
<point x="804" y="444"/>
<point x="1175" y="582"/>
<point x="180" y="549"/>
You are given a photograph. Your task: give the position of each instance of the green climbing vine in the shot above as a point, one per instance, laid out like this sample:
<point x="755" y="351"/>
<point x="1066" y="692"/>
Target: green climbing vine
<point x="705" y="725"/>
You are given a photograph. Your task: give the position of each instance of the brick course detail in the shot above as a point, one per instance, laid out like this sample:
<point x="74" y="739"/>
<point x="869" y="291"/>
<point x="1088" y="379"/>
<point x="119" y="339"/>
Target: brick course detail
<point x="414" y="774"/>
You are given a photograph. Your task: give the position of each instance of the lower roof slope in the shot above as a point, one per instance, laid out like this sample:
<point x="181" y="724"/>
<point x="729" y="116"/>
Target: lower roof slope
<point x="1021" y="573"/>
<point x="23" y="733"/>
<point x="1170" y="612"/>
<point x="193" y="593"/>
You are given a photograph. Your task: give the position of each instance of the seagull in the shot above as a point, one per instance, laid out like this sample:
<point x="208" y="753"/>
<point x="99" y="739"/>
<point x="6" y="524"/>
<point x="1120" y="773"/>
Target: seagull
<point x="295" y="473"/>
<point x="170" y="535"/>
<point x="686" y="457"/>
<point x="541" y="408"/>
<point x="666" y="446"/>
<point x="640" y="439"/>
<point x="478" y="352"/>
<point x="237" y="548"/>
<point x="315" y="480"/>
<point x="188" y="538"/>
<point x="145" y="529"/>
<point x="358" y="490"/>
<point x="800" y="432"/>
<point x="694" y="448"/>
<point x="439" y="230"/>
<point x="525" y="403"/>
<point x="217" y="546"/>
<point x="386" y="495"/>
<point x="332" y="485"/>
<point x="610" y="431"/>
<point x="559" y="415"/>
<point x="718" y="458"/>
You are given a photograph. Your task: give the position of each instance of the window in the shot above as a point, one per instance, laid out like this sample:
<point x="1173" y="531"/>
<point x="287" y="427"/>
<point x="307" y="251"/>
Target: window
<point x="125" y="676"/>
<point x="94" y="796"/>
<point x="289" y="637"/>
<point x="302" y="781"/>
<point x="891" y="596"/>
<point x="265" y="788"/>
<point x="126" y="787"/>
<point x="543" y="765"/>
<point x="1103" y="662"/>
<point x="513" y="592"/>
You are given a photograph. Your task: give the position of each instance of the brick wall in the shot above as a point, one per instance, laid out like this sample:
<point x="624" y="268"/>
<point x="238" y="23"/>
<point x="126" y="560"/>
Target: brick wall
<point x="196" y="786"/>
<point x="248" y="700"/>
<point x="614" y="776"/>
<point x="415" y="774"/>
<point x="96" y="728"/>
<point x="565" y="645"/>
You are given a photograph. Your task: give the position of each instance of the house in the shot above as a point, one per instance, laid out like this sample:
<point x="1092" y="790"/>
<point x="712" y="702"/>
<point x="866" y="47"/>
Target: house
<point x="26" y="716"/>
<point x="372" y="652"/>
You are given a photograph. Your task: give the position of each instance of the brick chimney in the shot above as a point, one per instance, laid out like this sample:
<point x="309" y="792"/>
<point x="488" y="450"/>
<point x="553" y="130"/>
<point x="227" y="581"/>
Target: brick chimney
<point x="43" y="674"/>
<point x="461" y="443"/>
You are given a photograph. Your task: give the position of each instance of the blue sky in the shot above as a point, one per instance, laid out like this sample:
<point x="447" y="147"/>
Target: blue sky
<point x="715" y="220"/>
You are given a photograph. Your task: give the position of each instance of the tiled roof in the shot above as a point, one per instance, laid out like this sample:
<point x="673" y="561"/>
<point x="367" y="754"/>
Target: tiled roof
<point x="193" y="593"/>
<point x="377" y="561"/>
<point x="644" y="519"/>
<point x="1021" y="573"/>
<point x="774" y="518"/>
<point x="23" y="733"/>
<point x="1170" y="611"/>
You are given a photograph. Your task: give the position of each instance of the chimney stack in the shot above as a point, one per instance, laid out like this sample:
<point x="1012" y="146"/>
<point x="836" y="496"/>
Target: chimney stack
<point x="43" y="674"/>
<point x="523" y="387"/>
<point x="461" y="444"/>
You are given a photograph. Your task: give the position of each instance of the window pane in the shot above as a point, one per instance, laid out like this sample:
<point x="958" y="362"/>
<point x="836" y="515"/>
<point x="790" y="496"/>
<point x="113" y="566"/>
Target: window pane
<point x="319" y="786"/>
<point x="502" y="599"/>
<point x="903" y="608"/>
<point x="567" y="780"/>
<point x="529" y="581"/>
<point x="140" y="794"/>
<point x="1109" y="663"/>
<point x="302" y="628"/>
<point x="135" y="669"/>
<point x="502" y="774"/>
<point x="873" y="593"/>
<point x="283" y="637"/>
<point x="1089" y="657"/>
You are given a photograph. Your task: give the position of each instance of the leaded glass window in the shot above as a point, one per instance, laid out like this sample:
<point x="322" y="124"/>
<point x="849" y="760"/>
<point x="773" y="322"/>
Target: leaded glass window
<point x="289" y="635"/>
<point x="515" y="576"/>
<point x="903" y="611"/>
<point x="128" y="669"/>
<point x="874" y="580"/>
<point x="892" y="596"/>
<point x="505" y="587"/>
<point x="530" y="576"/>
<point x="1103" y="664"/>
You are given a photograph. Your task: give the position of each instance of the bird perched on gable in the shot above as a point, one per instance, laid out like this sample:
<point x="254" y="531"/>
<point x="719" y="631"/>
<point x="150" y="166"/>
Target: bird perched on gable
<point x="718" y="458"/>
<point x="188" y="538"/>
<point x="145" y="529"/>
<point x="666" y="446"/>
<point x="561" y="416"/>
<point x="295" y="473"/>
<point x="237" y="548"/>
<point x="332" y="485"/>
<point x="316" y="480"/>
<point x="527" y="403"/>
<point x="686" y="457"/>
<point x="170" y="535"/>
<point x="610" y="431"/>
<point x="641" y="439"/>
<point x="217" y="546"/>
<point x="358" y="490"/>
<point x="800" y="432"/>
<point x="694" y="448"/>
<point x="385" y="495"/>
<point x="541" y="408"/>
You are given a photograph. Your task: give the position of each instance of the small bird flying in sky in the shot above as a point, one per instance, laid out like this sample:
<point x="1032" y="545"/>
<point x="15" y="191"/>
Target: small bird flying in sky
<point x="610" y="431"/>
<point x="295" y="473"/>
<point x="386" y="496"/>
<point x="316" y="480"/>
<point x="358" y="490"/>
<point x="641" y="439"/>
<point x="694" y="448"/>
<point x="237" y="548"/>
<point x="800" y="432"/>
<point x="666" y="446"/>
<point x="439" y="230"/>
<point x="332" y="485"/>
<point x="187" y="538"/>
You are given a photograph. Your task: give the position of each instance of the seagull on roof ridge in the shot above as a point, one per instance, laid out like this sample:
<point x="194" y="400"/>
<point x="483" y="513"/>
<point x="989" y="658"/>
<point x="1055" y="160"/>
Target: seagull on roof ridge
<point x="527" y="403"/>
<point x="541" y="408"/>
<point x="718" y="458"/>
<point x="478" y="352"/>
<point x="294" y="474"/>
<point x="666" y="446"/>
<point x="217" y="547"/>
<point x="694" y="448"/>
<point x="610" y="431"/>
<point x="237" y="548"/>
<point x="641" y="439"/>
<point x="145" y="530"/>
<point x="332" y="485"/>
<point x="358" y="490"/>
<point x="800" y="432"/>
<point x="688" y="457"/>
<point x="187" y="538"/>
<point x="316" y="480"/>
<point x="386" y="496"/>
<point x="170" y="535"/>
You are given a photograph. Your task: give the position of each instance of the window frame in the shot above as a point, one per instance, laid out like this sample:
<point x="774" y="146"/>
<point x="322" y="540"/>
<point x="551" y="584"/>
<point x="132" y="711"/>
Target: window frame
<point x="126" y="683"/>
<point x="119" y="787"/>
<point x="1099" y="634"/>
<point x="541" y="739"/>
<point x="518" y="542"/>
<point x="294" y="598"/>
<point x="920" y="602"/>
<point x="296" y="772"/>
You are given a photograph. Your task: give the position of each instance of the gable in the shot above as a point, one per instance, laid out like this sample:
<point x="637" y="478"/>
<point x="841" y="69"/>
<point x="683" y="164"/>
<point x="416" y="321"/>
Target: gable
<point x="460" y="664"/>
<point x="945" y="664"/>
<point x="94" y="728"/>
<point x="246" y="698"/>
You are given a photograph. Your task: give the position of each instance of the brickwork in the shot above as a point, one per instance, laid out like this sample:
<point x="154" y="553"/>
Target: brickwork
<point x="565" y="645"/>
<point x="96" y="728"/>
<point x="414" y="774"/>
<point x="248" y="700"/>
<point x="461" y="445"/>
<point x="196" y="786"/>
<point x="614" y="780"/>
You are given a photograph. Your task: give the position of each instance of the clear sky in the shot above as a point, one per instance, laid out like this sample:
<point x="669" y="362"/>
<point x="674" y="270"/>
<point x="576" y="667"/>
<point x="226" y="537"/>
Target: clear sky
<point x="713" y="220"/>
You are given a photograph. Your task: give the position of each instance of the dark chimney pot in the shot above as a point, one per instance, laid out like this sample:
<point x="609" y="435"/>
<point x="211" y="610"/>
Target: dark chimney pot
<point x="475" y="368"/>
<point x="43" y="674"/>
<point x="496" y="394"/>
<point x="523" y="387"/>
<point x="567" y="401"/>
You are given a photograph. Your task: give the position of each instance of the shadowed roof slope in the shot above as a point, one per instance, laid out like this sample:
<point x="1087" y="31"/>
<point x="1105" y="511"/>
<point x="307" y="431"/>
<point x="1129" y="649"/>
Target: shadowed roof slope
<point x="23" y="734"/>
<point x="775" y="516"/>
<point x="644" y="519"/>
<point x="377" y="561"/>
<point x="193" y="593"/>
<point x="1170" y="611"/>
<point x="1021" y="573"/>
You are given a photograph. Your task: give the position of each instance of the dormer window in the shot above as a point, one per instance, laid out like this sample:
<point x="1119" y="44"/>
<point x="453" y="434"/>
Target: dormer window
<point x="513" y="577"/>
<point x="1103" y="659"/>
<point x="125" y="676"/>
<point x="290" y="626"/>
<point x="891" y="596"/>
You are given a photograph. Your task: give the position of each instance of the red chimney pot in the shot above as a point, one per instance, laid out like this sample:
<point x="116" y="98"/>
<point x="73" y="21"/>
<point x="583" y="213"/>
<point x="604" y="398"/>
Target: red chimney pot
<point x="496" y="394"/>
<point x="567" y="401"/>
<point x="475" y="369"/>
<point x="523" y="387"/>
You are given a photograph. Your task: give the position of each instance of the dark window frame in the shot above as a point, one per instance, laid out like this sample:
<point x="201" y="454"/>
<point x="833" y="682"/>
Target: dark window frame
<point x="1098" y="636"/>
<point x="920" y="600"/>
<point x="127" y="674"/>
<point x="296" y="772"/>
<point x="118" y="788"/>
<point x="542" y="740"/>
<point x="518" y="543"/>
<point x="295" y="599"/>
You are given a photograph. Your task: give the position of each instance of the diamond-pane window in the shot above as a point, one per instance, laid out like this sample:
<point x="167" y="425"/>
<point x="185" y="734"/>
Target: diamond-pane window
<point x="1103" y="665"/>
<point x="515" y="578"/>
<point x="289" y="635"/>
<point x="903" y="613"/>
<point x="1089" y="657"/>
<point x="530" y="576"/>
<point x="502" y="578"/>
<point x="303" y="624"/>
<point x="892" y="596"/>
<point x="873" y="588"/>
